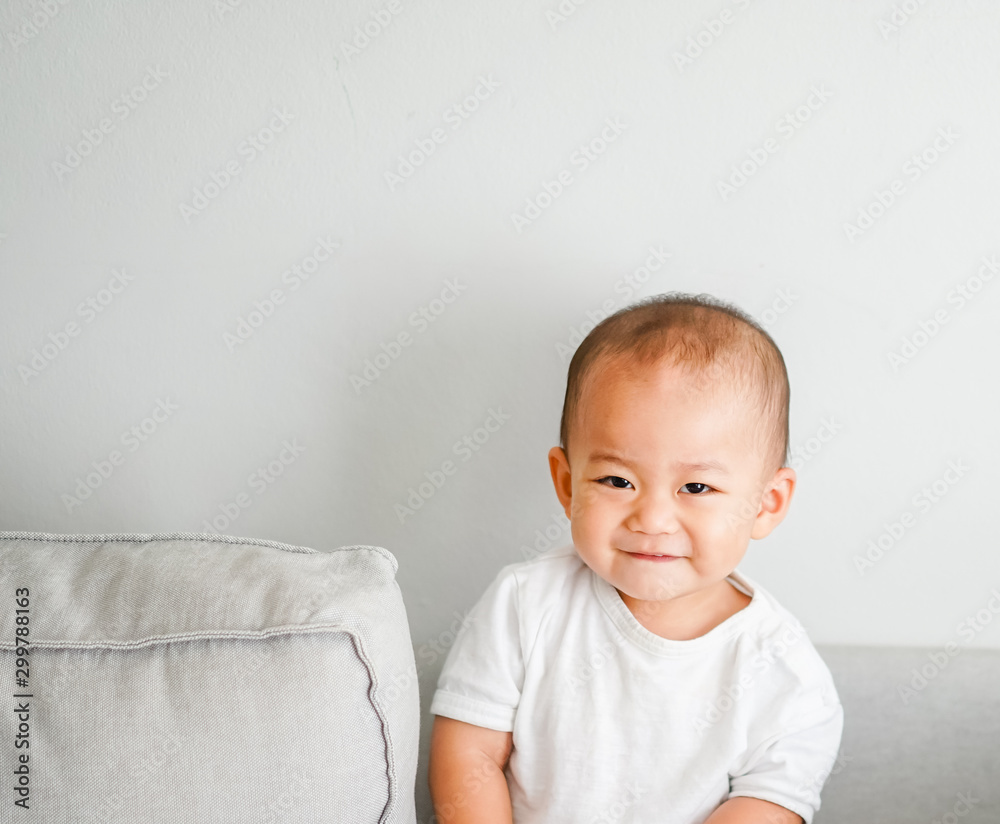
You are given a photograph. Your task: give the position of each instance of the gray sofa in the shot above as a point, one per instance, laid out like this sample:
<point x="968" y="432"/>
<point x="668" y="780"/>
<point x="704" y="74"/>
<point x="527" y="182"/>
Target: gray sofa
<point x="187" y="678"/>
<point x="921" y="737"/>
<point x="182" y="678"/>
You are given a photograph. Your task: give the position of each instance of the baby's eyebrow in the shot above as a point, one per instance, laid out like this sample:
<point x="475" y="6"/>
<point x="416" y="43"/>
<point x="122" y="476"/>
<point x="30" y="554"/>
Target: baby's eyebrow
<point x="706" y="465"/>
<point x="703" y="466"/>
<point x="608" y="456"/>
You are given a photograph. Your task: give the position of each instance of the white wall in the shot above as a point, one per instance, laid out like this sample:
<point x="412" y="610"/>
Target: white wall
<point x="881" y="94"/>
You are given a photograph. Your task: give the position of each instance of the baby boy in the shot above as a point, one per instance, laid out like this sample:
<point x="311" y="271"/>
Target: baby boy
<point x="636" y="675"/>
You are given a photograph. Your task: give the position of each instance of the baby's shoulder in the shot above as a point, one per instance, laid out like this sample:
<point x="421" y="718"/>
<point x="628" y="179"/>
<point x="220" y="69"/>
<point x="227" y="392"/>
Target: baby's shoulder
<point x="777" y="646"/>
<point x="546" y="581"/>
<point x="554" y="567"/>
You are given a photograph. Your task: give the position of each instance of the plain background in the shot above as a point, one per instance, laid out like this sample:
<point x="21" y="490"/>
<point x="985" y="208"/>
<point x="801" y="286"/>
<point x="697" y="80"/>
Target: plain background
<point x="831" y="168"/>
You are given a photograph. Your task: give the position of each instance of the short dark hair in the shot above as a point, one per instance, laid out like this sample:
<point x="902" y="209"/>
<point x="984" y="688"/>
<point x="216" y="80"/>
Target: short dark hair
<point x="708" y="337"/>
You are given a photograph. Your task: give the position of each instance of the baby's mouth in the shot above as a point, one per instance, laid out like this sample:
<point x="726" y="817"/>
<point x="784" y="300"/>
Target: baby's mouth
<point x="644" y="556"/>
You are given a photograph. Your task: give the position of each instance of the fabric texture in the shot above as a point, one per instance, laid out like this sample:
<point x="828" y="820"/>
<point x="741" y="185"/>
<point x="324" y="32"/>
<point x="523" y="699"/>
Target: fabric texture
<point x="611" y="722"/>
<point x="193" y="678"/>
<point x="921" y="733"/>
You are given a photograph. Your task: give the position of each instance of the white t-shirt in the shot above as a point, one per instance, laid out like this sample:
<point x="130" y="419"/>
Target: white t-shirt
<point x="612" y="723"/>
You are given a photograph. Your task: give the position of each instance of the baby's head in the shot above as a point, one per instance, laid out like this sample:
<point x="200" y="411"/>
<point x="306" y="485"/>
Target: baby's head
<point x="673" y="442"/>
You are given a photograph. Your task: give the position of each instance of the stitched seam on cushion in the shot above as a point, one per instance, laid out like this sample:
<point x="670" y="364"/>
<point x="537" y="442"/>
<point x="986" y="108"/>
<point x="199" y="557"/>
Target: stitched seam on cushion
<point x="359" y="650"/>
<point x="390" y="763"/>
<point x="206" y="537"/>
<point x="157" y="640"/>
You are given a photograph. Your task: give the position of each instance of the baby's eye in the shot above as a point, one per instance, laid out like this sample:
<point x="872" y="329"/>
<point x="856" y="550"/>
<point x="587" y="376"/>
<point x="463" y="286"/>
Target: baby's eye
<point x="701" y="491"/>
<point x="614" y="482"/>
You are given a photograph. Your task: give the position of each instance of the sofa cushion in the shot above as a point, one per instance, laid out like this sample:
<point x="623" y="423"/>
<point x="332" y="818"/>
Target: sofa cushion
<point x="921" y="735"/>
<point x="193" y="678"/>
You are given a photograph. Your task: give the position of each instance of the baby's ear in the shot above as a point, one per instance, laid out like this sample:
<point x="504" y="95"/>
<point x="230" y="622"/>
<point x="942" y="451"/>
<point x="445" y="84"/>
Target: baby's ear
<point x="562" y="479"/>
<point x="775" y="502"/>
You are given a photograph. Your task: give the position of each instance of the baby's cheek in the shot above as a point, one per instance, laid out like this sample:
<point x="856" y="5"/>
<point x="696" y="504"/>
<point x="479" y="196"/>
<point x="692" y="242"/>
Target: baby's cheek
<point x="714" y="531"/>
<point x="589" y="524"/>
<point x="586" y="504"/>
<point x="739" y="514"/>
<point x="580" y="528"/>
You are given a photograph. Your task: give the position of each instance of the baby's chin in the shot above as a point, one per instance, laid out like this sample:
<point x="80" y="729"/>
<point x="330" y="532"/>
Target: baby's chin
<point x="653" y="580"/>
<point x="650" y="591"/>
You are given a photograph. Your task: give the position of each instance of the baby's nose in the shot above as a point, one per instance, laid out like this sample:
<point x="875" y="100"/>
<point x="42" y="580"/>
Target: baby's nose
<point x="654" y="512"/>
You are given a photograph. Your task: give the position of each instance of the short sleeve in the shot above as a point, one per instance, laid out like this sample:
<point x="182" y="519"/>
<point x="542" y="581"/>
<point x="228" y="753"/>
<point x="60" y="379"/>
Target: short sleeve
<point x="791" y="767"/>
<point x="483" y="674"/>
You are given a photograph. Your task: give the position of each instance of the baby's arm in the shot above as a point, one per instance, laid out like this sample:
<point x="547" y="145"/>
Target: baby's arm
<point x="466" y="773"/>
<point x="746" y="810"/>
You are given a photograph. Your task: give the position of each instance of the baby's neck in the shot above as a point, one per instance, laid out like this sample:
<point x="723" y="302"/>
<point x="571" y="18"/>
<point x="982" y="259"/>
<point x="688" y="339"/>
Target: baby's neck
<point x="685" y="619"/>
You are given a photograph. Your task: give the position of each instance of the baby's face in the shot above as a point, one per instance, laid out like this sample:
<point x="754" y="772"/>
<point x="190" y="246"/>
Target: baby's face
<point x="660" y="466"/>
